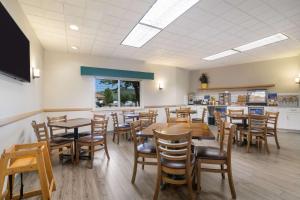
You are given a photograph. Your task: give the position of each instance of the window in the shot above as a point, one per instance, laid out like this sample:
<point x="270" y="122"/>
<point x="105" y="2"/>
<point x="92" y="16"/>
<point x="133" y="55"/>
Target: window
<point x="117" y="93"/>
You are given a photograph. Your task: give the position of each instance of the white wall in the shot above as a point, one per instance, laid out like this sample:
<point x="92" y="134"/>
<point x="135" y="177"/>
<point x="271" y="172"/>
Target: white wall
<point x="64" y="86"/>
<point x="18" y="97"/>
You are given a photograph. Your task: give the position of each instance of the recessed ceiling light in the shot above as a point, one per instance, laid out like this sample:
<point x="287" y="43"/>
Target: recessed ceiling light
<point x="221" y="55"/>
<point x="262" y="42"/>
<point x="163" y="12"/>
<point x="140" y="35"/>
<point x="74" y="27"/>
<point x="74" y="47"/>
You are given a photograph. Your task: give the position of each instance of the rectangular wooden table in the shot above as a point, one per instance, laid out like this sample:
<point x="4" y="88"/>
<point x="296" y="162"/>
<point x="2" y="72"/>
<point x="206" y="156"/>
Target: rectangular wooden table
<point x="199" y="130"/>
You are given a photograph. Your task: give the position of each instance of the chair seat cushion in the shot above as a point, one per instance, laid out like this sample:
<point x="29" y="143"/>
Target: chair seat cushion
<point x="124" y="125"/>
<point x="64" y="135"/>
<point x="89" y="139"/>
<point x="59" y="141"/>
<point x="176" y="164"/>
<point x="146" y="148"/>
<point x="196" y="119"/>
<point x="211" y="153"/>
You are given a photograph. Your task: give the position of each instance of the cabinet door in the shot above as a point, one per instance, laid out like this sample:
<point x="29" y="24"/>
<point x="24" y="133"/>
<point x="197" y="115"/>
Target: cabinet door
<point x="293" y="120"/>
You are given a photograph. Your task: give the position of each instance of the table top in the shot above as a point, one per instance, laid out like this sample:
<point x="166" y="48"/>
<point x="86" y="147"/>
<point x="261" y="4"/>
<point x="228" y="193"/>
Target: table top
<point x="185" y="111"/>
<point x="71" y="123"/>
<point x="130" y="115"/>
<point x="199" y="130"/>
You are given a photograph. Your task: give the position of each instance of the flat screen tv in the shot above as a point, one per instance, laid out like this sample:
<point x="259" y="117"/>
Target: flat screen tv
<point x="14" y="48"/>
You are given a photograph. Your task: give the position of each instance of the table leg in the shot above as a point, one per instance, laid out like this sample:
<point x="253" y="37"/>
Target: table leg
<point x="76" y="136"/>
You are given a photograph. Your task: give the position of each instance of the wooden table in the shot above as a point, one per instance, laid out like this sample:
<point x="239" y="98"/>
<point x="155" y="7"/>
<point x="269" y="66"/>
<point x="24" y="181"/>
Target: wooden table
<point x="243" y="117"/>
<point x="72" y="124"/>
<point x="199" y="130"/>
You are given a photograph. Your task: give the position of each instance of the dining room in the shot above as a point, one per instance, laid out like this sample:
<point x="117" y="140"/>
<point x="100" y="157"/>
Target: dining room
<point x="150" y="99"/>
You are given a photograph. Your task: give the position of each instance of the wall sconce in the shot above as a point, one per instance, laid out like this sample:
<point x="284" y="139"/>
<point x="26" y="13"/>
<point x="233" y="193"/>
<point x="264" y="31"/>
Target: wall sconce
<point x="297" y="79"/>
<point x="160" y="86"/>
<point x="35" y="73"/>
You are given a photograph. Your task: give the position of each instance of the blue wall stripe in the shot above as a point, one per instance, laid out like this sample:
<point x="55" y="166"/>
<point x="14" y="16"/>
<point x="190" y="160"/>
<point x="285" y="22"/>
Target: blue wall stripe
<point x="95" y="71"/>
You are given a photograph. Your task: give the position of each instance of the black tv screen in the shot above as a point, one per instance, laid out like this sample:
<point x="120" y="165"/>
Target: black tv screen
<point x="14" y="48"/>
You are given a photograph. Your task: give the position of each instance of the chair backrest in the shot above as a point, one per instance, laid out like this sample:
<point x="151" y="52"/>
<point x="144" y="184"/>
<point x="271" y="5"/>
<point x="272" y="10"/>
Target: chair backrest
<point x="99" y="117"/>
<point x="99" y="127"/>
<point x="167" y="110"/>
<point x="114" y="116"/>
<point x="183" y="113"/>
<point x="258" y="123"/>
<point x="40" y="131"/>
<point x="136" y="126"/>
<point x="154" y="115"/>
<point x="235" y="112"/>
<point x="128" y="111"/>
<point x="218" y="120"/>
<point x="53" y="130"/>
<point x="229" y="140"/>
<point x="173" y="148"/>
<point x="146" y="118"/>
<point x="272" y="119"/>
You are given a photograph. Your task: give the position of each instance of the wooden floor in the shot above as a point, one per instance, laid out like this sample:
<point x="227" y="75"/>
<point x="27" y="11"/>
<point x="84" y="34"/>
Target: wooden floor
<point x="257" y="176"/>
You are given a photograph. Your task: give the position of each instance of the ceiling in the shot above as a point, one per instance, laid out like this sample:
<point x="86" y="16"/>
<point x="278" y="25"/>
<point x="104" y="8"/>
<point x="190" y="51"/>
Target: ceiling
<point x="210" y="27"/>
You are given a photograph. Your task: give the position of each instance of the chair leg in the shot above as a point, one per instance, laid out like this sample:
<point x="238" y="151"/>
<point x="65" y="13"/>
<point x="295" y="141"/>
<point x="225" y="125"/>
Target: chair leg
<point x="266" y="144"/>
<point x="134" y="170"/>
<point x="106" y="151"/>
<point x="92" y="156"/>
<point x="198" y="176"/>
<point x="276" y="139"/>
<point x="230" y="180"/>
<point x="158" y="181"/>
<point x="72" y="152"/>
<point x="223" y="174"/>
<point x="118" y="138"/>
<point x="190" y="187"/>
<point x="43" y="179"/>
<point x="143" y="166"/>
<point x="77" y="153"/>
<point x="248" y="142"/>
<point x="114" y="135"/>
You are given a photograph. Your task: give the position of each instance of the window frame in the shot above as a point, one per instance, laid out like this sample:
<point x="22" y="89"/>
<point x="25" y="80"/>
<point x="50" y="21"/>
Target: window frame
<point x="119" y="93"/>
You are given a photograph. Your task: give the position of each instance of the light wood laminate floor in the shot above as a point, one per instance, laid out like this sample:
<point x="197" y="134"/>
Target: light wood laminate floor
<point x="257" y="175"/>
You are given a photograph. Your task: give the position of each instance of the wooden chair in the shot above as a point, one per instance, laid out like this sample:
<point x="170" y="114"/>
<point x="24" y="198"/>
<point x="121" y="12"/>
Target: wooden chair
<point x="239" y="123"/>
<point x="258" y="129"/>
<point x="154" y="114"/>
<point x="119" y="129"/>
<point x="272" y="126"/>
<point x="99" y="117"/>
<point x="183" y="113"/>
<point x="55" y="144"/>
<point x="146" y="118"/>
<point x="97" y="138"/>
<point x="202" y="119"/>
<point x="127" y="120"/>
<point x="26" y="158"/>
<point x="168" y="115"/>
<point x="175" y="160"/>
<point x="217" y="156"/>
<point x="142" y="150"/>
<point x="59" y="132"/>
<point x="219" y="121"/>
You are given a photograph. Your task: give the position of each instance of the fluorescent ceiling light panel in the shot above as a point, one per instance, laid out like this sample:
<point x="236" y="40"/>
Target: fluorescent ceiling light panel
<point x="259" y="43"/>
<point x="140" y="35"/>
<point x="74" y="27"/>
<point x="163" y="12"/>
<point x="74" y="47"/>
<point x="221" y="55"/>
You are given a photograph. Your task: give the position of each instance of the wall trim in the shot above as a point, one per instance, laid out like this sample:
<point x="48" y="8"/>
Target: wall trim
<point x="9" y="120"/>
<point x="66" y="109"/>
<point x="12" y="119"/>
